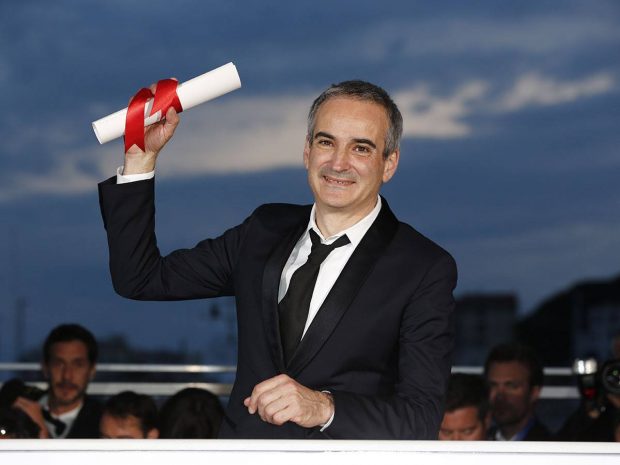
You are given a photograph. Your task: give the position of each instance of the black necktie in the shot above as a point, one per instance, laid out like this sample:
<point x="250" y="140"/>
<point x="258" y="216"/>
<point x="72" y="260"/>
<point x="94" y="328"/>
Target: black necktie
<point x="293" y="308"/>
<point x="59" y="425"/>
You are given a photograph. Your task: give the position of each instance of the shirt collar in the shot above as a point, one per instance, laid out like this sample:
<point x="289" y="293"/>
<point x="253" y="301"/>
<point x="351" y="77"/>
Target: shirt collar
<point x="355" y="233"/>
<point x="66" y="416"/>
<point x="520" y="435"/>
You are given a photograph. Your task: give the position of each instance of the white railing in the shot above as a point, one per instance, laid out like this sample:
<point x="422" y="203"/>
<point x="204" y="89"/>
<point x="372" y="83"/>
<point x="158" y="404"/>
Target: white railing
<point x="276" y="452"/>
<point x="105" y="388"/>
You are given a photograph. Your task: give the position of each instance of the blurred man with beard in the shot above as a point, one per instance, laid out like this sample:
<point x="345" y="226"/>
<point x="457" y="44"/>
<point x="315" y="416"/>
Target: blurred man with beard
<point x="65" y="411"/>
<point x="515" y="378"/>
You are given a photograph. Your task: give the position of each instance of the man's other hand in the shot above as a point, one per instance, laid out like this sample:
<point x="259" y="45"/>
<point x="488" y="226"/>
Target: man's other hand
<point x="281" y="399"/>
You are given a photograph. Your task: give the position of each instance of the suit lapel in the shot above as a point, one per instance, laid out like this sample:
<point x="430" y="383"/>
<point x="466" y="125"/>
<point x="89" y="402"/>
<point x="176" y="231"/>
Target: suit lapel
<point x="345" y="288"/>
<point x="271" y="283"/>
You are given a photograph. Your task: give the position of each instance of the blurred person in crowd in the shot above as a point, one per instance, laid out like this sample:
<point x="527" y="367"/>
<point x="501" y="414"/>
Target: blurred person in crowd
<point x="514" y="375"/>
<point x="191" y="413"/>
<point x="69" y="361"/>
<point x="598" y="415"/>
<point x="129" y="415"/>
<point x="466" y="417"/>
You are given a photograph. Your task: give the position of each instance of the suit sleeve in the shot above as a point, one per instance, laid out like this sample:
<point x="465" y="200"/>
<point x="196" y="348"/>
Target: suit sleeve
<point x="426" y="342"/>
<point x="137" y="268"/>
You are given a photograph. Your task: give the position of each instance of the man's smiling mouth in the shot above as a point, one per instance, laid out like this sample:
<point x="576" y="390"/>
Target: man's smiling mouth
<point x="338" y="182"/>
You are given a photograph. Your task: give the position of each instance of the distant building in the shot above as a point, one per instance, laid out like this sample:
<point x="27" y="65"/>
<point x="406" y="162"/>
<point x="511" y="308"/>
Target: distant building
<point x="482" y="321"/>
<point x="579" y="322"/>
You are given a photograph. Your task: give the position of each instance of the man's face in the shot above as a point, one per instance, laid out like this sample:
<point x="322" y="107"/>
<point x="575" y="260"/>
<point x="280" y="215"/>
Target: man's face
<point x="69" y="372"/>
<point x="511" y="397"/>
<point x="345" y="160"/>
<point x="130" y="427"/>
<point x="462" y="424"/>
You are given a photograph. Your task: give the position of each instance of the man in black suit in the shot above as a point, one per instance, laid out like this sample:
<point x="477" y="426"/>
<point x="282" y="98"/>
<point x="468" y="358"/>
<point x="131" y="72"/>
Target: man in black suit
<point x="69" y="364"/>
<point x="344" y="314"/>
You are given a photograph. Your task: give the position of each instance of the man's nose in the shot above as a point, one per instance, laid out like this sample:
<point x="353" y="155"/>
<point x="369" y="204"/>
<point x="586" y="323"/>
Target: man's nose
<point x="66" y="372"/>
<point x="340" y="159"/>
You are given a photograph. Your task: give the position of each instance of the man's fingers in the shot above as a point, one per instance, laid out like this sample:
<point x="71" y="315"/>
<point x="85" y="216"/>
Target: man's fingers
<point x="261" y="388"/>
<point x="172" y="119"/>
<point x="278" y="411"/>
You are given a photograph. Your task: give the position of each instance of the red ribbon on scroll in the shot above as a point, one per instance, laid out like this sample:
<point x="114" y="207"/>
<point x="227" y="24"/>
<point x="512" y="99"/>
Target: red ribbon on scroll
<point x="165" y="97"/>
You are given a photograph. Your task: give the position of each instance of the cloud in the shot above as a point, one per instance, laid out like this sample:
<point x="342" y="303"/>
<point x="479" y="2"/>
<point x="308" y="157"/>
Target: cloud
<point x="258" y="133"/>
<point x="537" y="35"/>
<point x="534" y="89"/>
<point x="230" y="135"/>
<point x="426" y="115"/>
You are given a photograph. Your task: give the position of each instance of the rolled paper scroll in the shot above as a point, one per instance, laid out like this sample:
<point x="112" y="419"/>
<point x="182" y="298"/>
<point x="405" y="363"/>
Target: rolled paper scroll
<point x="201" y="89"/>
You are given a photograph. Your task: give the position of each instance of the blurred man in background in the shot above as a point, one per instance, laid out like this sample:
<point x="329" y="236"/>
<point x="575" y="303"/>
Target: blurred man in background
<point x="128" y="415"/>
<point x="515" y="378"/>
<point x="69" y="364"/>
<point x="466" y="417"/>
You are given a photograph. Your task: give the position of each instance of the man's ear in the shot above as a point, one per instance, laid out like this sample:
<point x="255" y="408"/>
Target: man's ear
<point x="152" y="434"/>
<point x="307" y="152"/>
<point x="535" y="394"/>
<point x="93" y="371"/>
<point x="487" y="420"/>
<point x="391" y="163"/>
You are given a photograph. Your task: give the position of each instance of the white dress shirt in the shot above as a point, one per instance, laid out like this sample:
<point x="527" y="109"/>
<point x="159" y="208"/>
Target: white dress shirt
<point x="334" y="263"/>
<point x="68" y="418"/>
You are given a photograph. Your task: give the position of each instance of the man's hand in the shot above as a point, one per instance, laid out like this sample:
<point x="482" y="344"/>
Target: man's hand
<point x="281" y="399"/>
<point x="155" y="137"/>
<point x="33" y="410"/>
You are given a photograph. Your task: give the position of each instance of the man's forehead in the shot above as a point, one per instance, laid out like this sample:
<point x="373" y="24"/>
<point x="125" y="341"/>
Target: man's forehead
<point x="351" y="106"/>
<point x="512" y="369"/>
<point x="69" y="349"/>
<point x="462" y="416"/>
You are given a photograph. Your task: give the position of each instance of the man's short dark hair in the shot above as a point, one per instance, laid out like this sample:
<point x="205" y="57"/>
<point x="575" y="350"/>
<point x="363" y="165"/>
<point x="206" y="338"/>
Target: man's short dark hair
<point x="365" y="91"/>
<point x="191" y="413"/>
<point x="467" y="391"/>
<point x="68" y="333"/>
<point x="127" y="403"/>
<point x="516" y="352"/>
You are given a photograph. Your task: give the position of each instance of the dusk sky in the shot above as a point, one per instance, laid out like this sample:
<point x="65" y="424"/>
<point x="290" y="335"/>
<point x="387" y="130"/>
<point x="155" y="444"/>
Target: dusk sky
<point x="510" y="155"/>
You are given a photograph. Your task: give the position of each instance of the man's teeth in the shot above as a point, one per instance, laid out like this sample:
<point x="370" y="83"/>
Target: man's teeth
<point x="338" y="181"/>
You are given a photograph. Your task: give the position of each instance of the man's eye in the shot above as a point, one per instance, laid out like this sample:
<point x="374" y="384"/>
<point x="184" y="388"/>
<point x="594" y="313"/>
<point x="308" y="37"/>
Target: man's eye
<point x="362" y="149"/>
<point x="324" y="142"/>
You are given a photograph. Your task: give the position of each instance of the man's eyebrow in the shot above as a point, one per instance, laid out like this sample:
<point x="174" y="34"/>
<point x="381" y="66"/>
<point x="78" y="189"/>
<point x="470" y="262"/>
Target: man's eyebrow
<point x="366" y="141"/>
<point x="324" y="134"/>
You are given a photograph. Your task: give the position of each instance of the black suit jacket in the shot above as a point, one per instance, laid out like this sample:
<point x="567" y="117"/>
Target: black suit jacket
<point x="86" y="424"/>
<point x="381" y="342"/>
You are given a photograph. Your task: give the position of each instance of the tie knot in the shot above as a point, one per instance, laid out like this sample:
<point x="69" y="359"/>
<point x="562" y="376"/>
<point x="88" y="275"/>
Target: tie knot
<point x="320" y="251"/>
<point x="59" y="425"/>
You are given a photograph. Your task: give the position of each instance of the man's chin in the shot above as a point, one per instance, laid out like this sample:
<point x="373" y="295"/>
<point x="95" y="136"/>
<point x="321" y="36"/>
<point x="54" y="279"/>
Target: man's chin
<point x="68" y="399"/>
